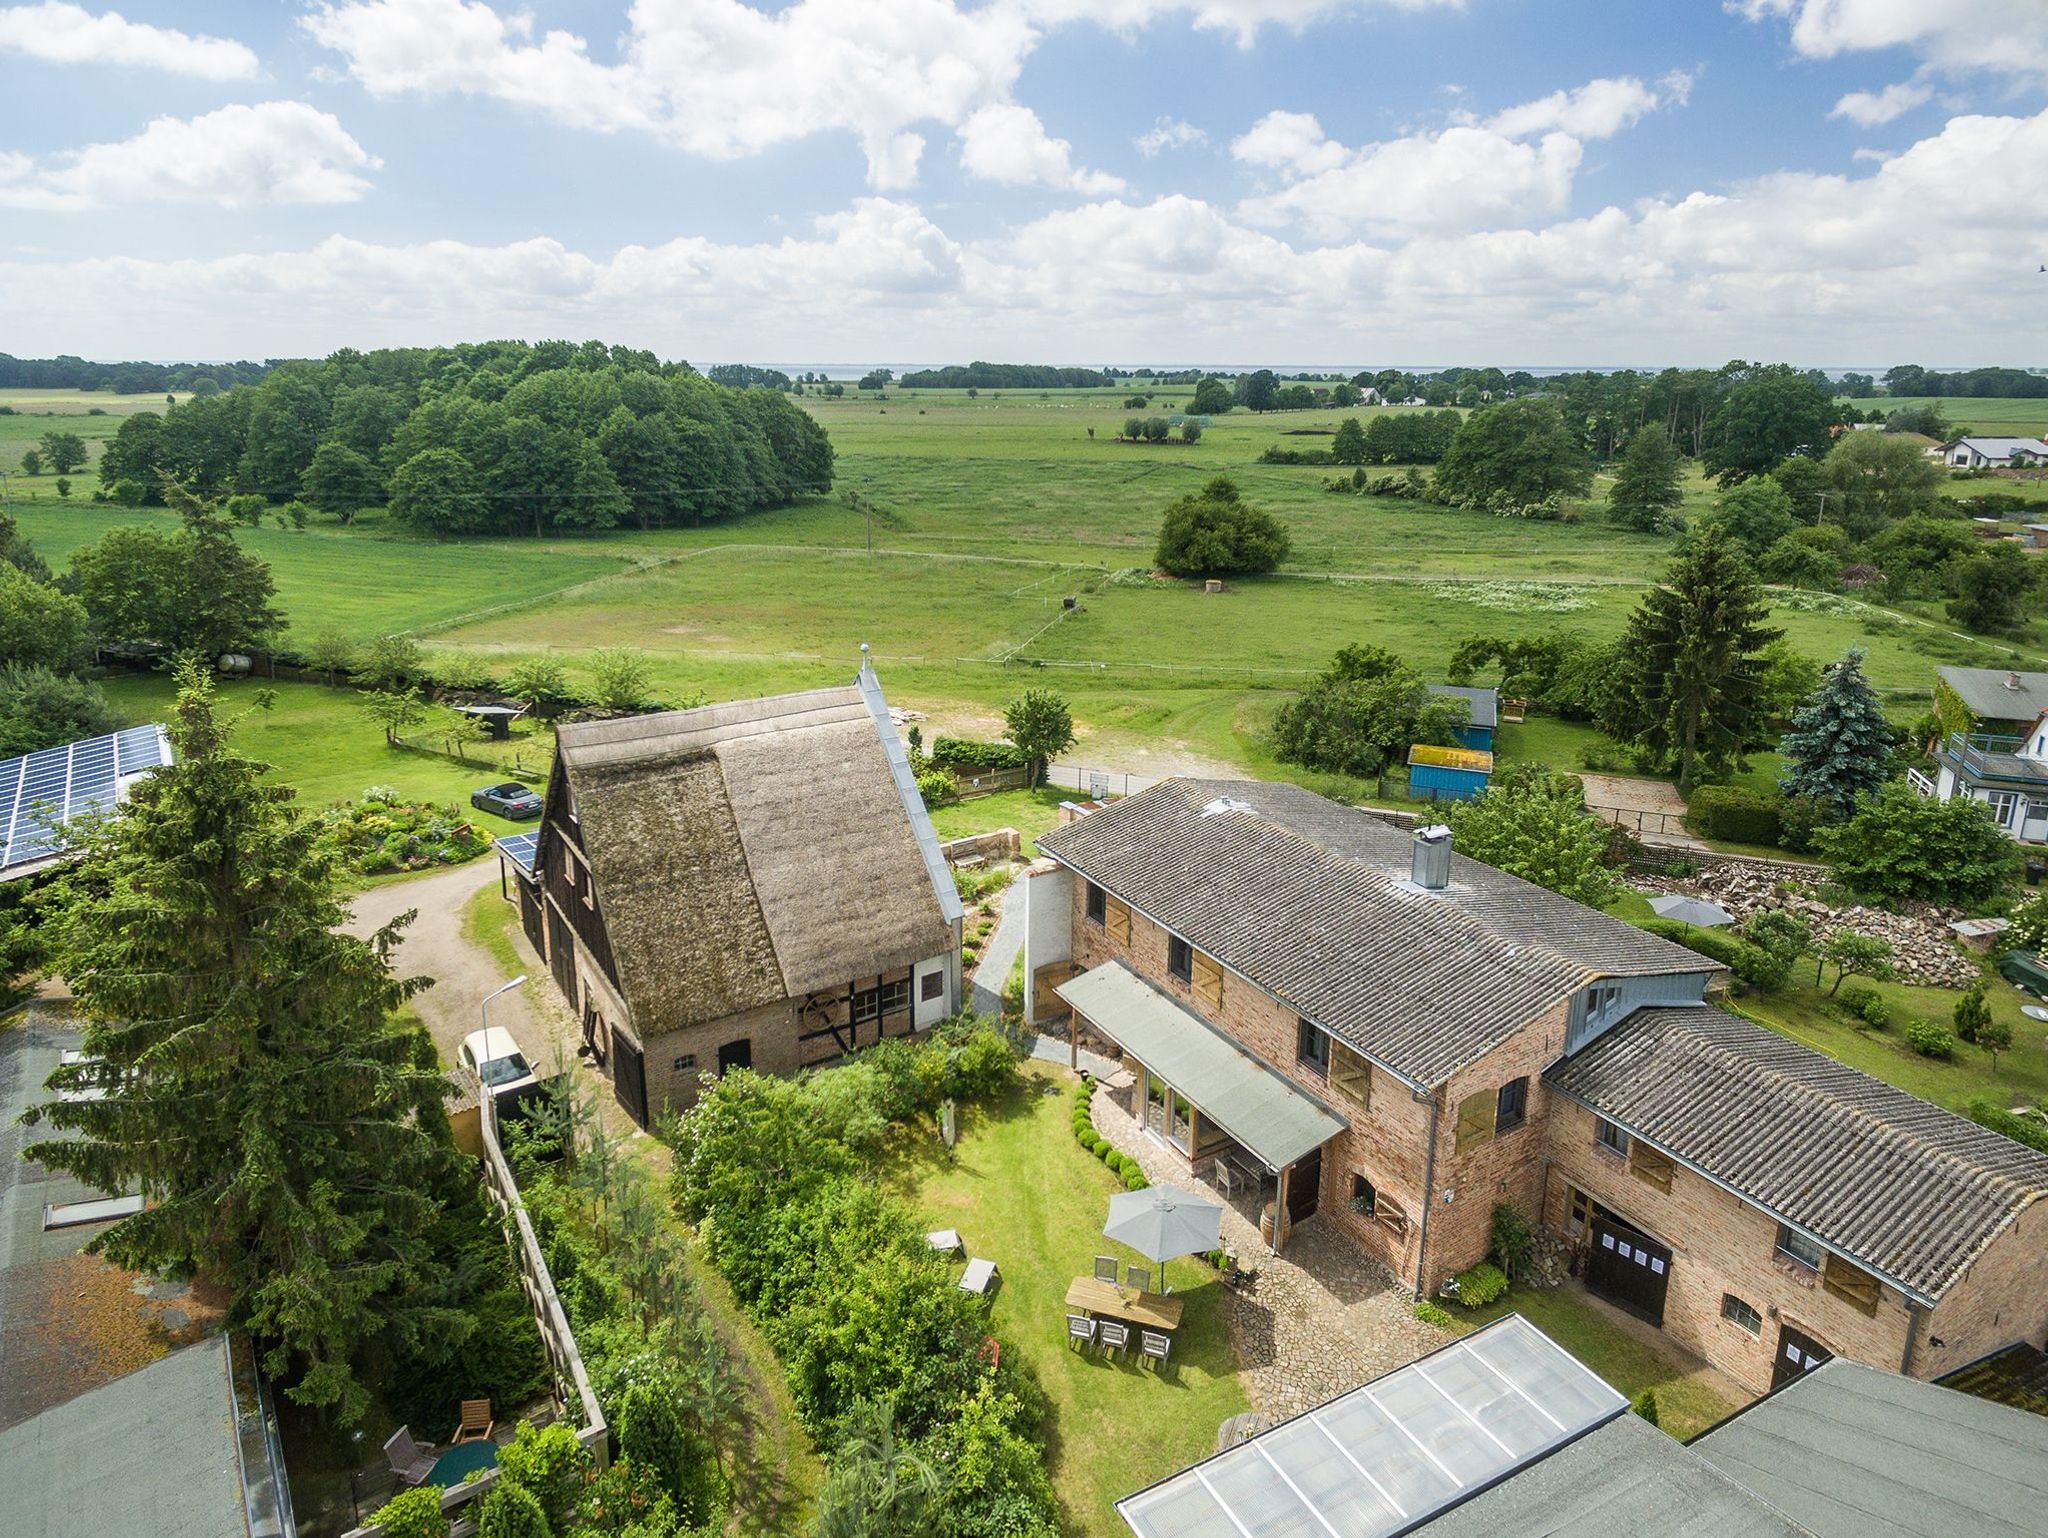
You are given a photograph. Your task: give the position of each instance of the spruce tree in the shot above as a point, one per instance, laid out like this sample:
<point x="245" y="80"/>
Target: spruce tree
<point x="1839" y="749"/>
<point x="1646" y="487"/>
<point x="255" y="1082"/>
<point x="1689" y="681"/>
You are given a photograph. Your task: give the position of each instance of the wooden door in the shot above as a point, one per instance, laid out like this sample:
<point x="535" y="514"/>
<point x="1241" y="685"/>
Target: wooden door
<point x="1304" y="1184"/>
<point x="1798" y="1353"/>
<point x="1627" y="1267"/>
<point x="629" y="1079"/>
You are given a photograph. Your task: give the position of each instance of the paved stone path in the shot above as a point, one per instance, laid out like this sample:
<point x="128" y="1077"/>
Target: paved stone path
<point x="1320" y="1319"/>
<point x="986" y="995"/>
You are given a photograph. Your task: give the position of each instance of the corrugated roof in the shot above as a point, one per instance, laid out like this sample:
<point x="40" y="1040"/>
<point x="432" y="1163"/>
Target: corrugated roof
<point x="1485" y="703"/>
<point x="1313" y="902"/>
<point x="1242" y="1095"/>
<point x="752" y="851"/>
<point x="1897" y="1185"/>
<point x="1849" y="1451"/>
<point x="1990" y="695"/>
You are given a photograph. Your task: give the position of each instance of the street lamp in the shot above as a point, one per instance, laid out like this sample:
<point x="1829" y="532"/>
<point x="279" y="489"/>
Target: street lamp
<point x="485" y="1007"/>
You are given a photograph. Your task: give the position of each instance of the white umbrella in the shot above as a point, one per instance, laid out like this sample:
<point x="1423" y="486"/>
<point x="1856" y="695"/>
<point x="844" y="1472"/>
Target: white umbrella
<point x="1691" y="910"/>
<point x="1161" y="1222"/>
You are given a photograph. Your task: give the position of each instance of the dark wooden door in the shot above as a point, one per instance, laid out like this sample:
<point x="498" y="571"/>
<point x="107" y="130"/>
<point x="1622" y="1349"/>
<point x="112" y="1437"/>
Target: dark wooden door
<point x="1304" y="1186"/>
<point x="529" y="917"/>
<point x="1798" y="1353"/>
<point x="1627" y="1267"/>
<point x="562" y="954"/>
<point x="736" y="1054"/>
<point x="629" y="1079"/>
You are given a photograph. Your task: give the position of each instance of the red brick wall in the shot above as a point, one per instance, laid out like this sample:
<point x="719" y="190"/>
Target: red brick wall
<point x="1999" y="1300"/>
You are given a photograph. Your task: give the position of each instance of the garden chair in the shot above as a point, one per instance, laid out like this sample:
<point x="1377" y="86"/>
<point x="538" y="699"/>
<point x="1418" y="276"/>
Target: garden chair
<point x="411" y="1462"/>
<point x="1112" y="1336"/>
<point x="477" y="1423"/>
<point x="945" y="1241"/>
<point x="1224" y="1177"/>
<point x="1155" y="1345"/>
<point x="980" y="1277"/>
<point x="1138" y="1278"/>
<point x="1080" y="1328"/>
<point x="1105" y="1269"/>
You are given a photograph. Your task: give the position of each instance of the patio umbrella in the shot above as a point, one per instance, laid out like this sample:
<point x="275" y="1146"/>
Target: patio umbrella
<point x="1691" y="910"/>
<point x="1161" y="1222"/>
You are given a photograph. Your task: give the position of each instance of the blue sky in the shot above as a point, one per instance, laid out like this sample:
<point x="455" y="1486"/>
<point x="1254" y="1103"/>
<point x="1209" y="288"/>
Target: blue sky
<point x="841" y="180"/>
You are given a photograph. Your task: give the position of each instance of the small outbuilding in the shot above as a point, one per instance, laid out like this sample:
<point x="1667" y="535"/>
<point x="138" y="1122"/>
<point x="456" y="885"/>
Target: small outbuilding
<point x="1447" y="774"/>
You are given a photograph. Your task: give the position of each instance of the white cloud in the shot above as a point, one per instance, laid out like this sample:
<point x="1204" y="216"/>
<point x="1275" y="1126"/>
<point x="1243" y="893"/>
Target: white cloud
<point x="1243" y="19"/>
<point x="274" y="152"/>
<point x="1871" y="109"/>
<point x="2008" y="37"/>
<point x="1168" y="134"/>
<point x="61" y="33"/>
<point x="1518" y="165"/>
<point x="1004" y="142"/>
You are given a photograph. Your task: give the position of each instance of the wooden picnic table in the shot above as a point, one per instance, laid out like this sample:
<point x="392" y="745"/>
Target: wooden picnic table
<point x="1147" y="1310"/>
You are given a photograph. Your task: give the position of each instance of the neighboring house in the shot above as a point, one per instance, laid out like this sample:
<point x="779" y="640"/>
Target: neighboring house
<point x="1993" y="453"/>
<point x="1994" y="746"/>
<point x="1403" y="1038"/>
<point x="1485" y="703"/>
<point x="1503" y="1433"/>
<point x="753" y="884"/>
<point x="43" y="791"/>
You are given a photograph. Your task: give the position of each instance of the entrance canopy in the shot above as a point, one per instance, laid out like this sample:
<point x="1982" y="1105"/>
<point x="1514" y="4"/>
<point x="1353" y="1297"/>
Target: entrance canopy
<point x="1233" y="1090"/>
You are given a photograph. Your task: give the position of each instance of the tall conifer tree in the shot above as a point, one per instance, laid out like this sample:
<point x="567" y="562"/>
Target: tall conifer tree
<point x="1839" y="749"/>
<point x="255" y="1083"/>
<point x="1646" y="486"/>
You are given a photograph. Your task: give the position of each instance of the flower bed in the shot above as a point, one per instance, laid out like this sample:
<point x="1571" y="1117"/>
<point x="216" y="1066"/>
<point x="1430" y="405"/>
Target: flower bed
<point x="382" y="833"/>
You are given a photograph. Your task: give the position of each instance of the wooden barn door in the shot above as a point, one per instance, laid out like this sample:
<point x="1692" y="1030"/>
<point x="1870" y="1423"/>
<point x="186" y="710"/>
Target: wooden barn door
<point x="1304" y="1186"/>
<point x="629" y="1078"/>
<point x="1627" y="1267"/>
<point x="1798" y="1353"/>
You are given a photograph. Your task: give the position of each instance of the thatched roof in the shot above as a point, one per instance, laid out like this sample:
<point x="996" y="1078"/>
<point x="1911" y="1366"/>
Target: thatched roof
<point x="752" y="851"/>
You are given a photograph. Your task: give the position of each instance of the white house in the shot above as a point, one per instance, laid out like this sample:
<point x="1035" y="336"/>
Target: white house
<point x="1993" y="453"/>
<point x="2008" y="774"/>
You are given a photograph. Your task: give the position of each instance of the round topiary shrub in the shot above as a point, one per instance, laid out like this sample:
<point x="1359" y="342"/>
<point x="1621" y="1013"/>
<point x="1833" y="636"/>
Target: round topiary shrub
<point x="1481" y="1285"/>
<point x="413" y="1514"/>
<point x="1135" y="1181"/>
<point x="511" y="1512"/>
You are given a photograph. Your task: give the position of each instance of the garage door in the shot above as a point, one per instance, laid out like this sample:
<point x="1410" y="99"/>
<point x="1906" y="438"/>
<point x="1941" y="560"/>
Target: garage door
<point x="1627" y="1267"/>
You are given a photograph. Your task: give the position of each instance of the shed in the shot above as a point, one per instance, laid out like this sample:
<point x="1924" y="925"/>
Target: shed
<point x="1485" y="703"/>
<point x="1447" y="774"/>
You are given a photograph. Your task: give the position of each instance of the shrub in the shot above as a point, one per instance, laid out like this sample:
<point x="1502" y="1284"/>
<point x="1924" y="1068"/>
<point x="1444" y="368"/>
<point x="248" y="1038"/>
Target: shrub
<point x="1481" y="1285"/>
<point x="413" y="1514"/>
<point x="936" y="786"/>
<point x="1901" y="846"/>
<point x="1734" y="815"/>
<point x="1865" y="1004"/>
<point x="1751" y="964"/>
<point x="1645" y="1405"/>
<point x="1929" y="1039"/>
<point x="548" y="1464"/>
<point x="1972" y="1012"/>
<point x="962" y="753"/>
<point x="1434" y="1313"/>
<point x="2021" y="1129"/>
<point x="1135" y="1181"/>
<point x="1512" y="1237"/>
<point x="1214" y="533"/>
<point x="510" y="1511"/>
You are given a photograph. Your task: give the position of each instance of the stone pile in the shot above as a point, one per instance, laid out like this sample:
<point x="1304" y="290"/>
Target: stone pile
<point x="1923" y="951"/>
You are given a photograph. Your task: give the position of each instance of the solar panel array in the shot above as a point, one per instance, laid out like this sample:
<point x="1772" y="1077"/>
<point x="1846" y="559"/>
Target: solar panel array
<point x="1385" y="1458"/>
<point x="519" y="849"/>
<point x="42" y="792"/>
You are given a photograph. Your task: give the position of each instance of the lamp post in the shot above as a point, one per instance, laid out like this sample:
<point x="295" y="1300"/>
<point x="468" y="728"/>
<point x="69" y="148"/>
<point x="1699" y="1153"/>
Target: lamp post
<point x="484" y="1008"/>
<point x="484" y="1093"/>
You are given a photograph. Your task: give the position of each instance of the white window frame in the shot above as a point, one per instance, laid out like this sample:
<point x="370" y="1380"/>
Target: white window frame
<point x="2003" y="803"/>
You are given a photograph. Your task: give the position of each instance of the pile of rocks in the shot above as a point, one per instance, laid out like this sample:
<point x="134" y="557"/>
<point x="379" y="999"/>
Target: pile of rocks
<point x="1548" y="1262"/>
<point x="1923" y="951"/>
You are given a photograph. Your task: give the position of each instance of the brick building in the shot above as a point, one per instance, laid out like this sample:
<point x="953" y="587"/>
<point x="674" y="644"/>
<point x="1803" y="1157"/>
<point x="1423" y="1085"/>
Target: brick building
<point x="1386" y="1034"/>
<point x="753" y="884"/>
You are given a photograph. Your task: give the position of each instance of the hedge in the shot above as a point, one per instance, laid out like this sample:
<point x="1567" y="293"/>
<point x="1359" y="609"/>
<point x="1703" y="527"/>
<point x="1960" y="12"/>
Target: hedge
<point x="962" y="753"/>
<point x="1280" y="456"/>
<point x="2021" y="1129"/>
<point x="1735" y="815"/>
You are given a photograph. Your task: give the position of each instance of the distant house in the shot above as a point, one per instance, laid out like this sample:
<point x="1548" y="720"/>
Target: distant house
<point x="1388" y="1038"/>
<point x="1993" y="453"/>
<point x="1993" y="746"/>
<point x="1368" y="396"/>
<point x="1485" y="721"/>
<point x="1996" y="700"/>
<point x="751" y="885"/>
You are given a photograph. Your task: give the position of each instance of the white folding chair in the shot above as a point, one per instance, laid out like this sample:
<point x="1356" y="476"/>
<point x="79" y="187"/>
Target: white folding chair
<point x="1155" y="1345"/>
<point x="1105" y="1268"/>
<point x="1080" y="1328"/>
<point x="1112" y="1336"/>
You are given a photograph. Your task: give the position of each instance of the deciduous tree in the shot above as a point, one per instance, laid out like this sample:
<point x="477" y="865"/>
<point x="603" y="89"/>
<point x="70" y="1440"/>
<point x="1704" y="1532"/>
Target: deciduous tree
<point x="1512" y="457"/>
<point x="1040" y="726"/>
<point x="1535" y="825"/>
<point x="1776" y="412"/>
<point x="1902" y="846"/>
<point x="1646" y="491"/>
<point x="1215" y="533"/>
<point x="64" y="452"/>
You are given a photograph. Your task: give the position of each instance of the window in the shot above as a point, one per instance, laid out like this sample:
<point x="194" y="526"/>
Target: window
<point x="1311" y="1048"/>
<point x="1180" y="958"/>
<point x="1098" y="904"/>
<point x="1475" y="1120"/>
<point x="2002" y="803"/>
<point x="931" y="986"/>
<point x="687" y="1063"/>
<point x="1649" y="1166"/>
<point x="1798" y="1249"/>
<point x="1735" y="1311"/>
<point x="1511" y="1109"/>
<point x="1350" y="1075"/>
<point x="1364" y="1199"/>
<point x="867" y="1004"/>
<point x="895" y="997"/>
<point x="1610" y="1137"/>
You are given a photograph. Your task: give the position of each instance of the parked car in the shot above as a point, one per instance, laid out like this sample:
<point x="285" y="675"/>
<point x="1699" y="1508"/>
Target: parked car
<point x="510" y="799"/>
<point x="494" y="1057"/>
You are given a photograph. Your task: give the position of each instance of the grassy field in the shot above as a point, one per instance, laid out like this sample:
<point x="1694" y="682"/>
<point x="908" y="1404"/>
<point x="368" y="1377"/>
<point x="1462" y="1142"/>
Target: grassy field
<point x="1023" y="1194"/>
<point x="1997" y="415"/>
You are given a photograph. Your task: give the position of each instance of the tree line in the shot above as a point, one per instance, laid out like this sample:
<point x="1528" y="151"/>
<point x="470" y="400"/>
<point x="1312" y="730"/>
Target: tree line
<point x="490" y="438"/>
<point x="70" y="373"/>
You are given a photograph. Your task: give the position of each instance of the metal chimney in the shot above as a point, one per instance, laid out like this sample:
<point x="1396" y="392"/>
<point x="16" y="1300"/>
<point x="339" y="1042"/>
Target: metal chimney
<point x="1432" y="860"/>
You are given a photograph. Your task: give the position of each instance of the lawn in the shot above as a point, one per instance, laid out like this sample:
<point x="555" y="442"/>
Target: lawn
<point x="1690" y="1396"/>
<point x="1030" y="812"/>
<point x="1999" y="415"/>
<point x="1023" y="1194"/>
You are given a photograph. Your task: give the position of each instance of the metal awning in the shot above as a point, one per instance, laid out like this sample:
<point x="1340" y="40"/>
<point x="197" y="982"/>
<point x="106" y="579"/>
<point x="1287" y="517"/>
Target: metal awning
<point x="1231" y="1088"/>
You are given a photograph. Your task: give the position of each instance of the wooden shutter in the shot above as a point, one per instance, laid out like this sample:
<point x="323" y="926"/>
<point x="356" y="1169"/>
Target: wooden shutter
<point x="1648" y="1165"/>
<point x="1388" y="1214"/>
<point x="1350" y="1075"/>
<point x="1116" y="918"/>
<point x="1208" y="982"/>
<point x="1475" y="1120"/>
<point x="1852" y="1284"/>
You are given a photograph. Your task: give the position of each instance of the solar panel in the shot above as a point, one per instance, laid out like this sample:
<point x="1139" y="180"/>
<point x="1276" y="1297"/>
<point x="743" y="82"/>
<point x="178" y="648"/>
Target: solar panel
<point x="519" y="849"/>
<point x="1388" y="1456"/>
<point x="43" y="791"/>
